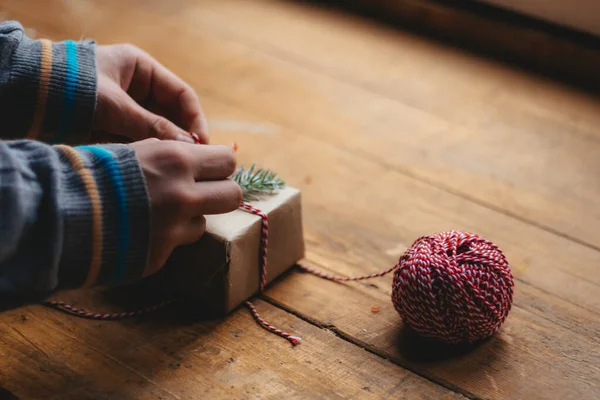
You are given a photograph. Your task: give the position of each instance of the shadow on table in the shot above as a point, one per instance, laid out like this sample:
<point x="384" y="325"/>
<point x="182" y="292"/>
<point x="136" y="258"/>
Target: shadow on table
<point x="6" y="395"/>
<point x="140" y="297"/>
<point x="525" y="43"/>
<point x="417" y="349"/>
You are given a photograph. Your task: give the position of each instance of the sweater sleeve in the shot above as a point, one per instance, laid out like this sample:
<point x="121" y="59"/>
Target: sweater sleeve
<point x="47" y="89"/>
<point x="70" y="217"/>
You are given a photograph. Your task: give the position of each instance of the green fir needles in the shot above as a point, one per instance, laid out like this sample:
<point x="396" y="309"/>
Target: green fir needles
<point x="257" y="181"/>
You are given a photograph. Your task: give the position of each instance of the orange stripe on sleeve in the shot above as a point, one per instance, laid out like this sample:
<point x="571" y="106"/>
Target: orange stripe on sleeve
<point x="92" y="189"/>
<point x="44" y="85"/>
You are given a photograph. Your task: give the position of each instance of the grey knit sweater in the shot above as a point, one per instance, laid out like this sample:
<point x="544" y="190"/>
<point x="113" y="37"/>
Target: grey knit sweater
<point x="70" y="216"/>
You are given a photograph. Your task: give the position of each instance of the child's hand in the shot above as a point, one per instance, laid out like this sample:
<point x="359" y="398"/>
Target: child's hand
<point x="139" y="98"/>
<point x="185" y="182"/>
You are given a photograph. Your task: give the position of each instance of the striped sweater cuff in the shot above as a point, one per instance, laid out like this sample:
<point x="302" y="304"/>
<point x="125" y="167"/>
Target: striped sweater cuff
<point x="107" y="221"/>
<point x="57" y="87"/>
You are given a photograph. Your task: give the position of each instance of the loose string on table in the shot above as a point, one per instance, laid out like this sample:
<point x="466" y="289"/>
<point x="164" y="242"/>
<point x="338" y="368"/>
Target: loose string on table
<point x="264" y="240"/>
<point x="79" y="312"/>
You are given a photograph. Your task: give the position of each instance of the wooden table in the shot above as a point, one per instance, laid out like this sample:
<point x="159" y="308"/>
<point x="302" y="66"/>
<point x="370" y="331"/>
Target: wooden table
<point x="389" y="136"/>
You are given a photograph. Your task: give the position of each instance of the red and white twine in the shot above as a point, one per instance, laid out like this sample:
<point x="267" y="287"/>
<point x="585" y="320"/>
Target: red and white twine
<point x="452" y="286"/>
<point x="68" y="308"/>
<point x="338" y="278"/>
<point x="264" y="242"/>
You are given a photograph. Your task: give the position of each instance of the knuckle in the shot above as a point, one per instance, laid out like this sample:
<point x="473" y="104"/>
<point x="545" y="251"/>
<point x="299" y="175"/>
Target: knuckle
<point x="189" y="90"/>
<point x="175" y="156"/>
<point x="175" y="150"/>
<point x="159" y="127"/>
<point x="129" y="48"/>
<point x="184" y="199"/>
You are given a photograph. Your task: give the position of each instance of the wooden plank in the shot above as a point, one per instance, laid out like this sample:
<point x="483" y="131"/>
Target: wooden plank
<point x="40" y="362"/>
<point x="388" y="96"/>
<point x="532" y="43"/>
<point x="531" y="358"/>
<point x="161" y="357"/>
<point x="359" y="221"/>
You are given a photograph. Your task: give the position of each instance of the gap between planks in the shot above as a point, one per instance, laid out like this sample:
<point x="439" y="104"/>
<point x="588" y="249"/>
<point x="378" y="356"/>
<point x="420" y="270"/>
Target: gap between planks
<point x="380" y="352"/>
<point x="349" y="339"/>
<point x="374" y="350"/>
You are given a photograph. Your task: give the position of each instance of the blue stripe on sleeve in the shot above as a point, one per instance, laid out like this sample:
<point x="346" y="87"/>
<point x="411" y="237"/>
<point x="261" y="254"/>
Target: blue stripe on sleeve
<point x="111" y="166"/>
<point x="70" y="90"/>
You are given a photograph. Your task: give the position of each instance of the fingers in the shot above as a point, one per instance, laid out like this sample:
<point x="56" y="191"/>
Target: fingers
<point x="144" y="124"/>
<point x="172" y="94"/>
<point x="214" y="197"/>
<point x="119" y="114"/>
<point x="145" y="99"/>
<point x="211" y="162"/>
<point x="191" y="115"/>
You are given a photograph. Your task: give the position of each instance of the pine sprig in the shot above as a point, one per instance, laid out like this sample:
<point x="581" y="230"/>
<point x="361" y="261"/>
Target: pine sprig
<point x="257" y="181"/>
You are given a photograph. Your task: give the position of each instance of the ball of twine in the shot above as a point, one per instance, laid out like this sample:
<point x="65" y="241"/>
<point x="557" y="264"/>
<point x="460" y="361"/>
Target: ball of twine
<point x="454" y="287"/>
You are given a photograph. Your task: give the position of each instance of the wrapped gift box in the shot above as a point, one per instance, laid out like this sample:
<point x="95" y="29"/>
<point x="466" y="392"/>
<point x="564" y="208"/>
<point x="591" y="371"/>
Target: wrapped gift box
<point x="222" y="269"/>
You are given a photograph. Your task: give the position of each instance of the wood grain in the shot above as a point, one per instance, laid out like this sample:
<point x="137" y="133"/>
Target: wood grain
<point x="519" y="144"/>
<point x="354" y="232"/>
<point x="389" y="137"/>
<point x="162" y="358"/>
<point x="508" y="366"/>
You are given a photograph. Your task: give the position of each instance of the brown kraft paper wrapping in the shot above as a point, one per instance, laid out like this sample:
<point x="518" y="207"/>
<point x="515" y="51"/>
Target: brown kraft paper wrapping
<point x="222" y="269"/>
